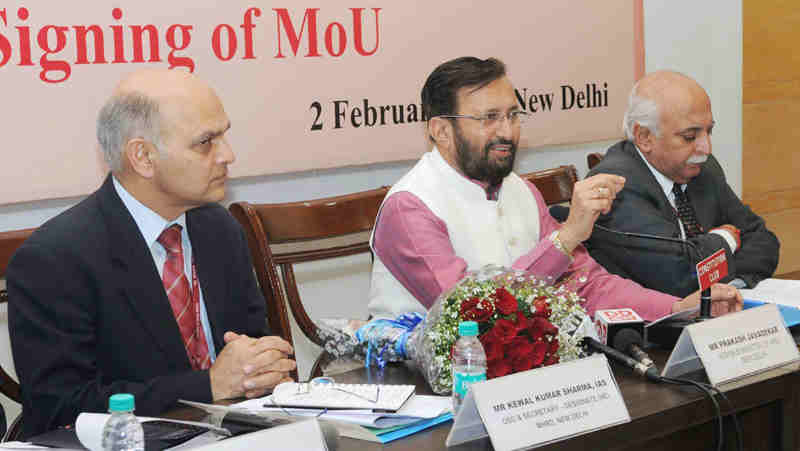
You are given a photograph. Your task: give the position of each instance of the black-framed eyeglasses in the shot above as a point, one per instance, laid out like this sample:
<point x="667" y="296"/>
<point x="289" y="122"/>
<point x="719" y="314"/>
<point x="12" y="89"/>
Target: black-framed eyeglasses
<point x="493" y="118"/>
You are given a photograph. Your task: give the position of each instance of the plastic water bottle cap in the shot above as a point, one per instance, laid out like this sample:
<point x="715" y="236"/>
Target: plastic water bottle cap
<point x="468" y="328"/>
<point x="121" y="402"/>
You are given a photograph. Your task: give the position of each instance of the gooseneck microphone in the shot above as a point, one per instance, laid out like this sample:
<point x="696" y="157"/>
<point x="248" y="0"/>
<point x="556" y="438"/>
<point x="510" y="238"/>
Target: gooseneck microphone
<point x="705" y="295"/>
<point x="639" y="368"/>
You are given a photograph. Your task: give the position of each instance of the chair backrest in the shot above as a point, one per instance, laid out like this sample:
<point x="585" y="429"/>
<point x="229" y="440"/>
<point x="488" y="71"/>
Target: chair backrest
<point x="555" y="184"/>
<point x="281" y="235"/>
<point x="593" y="158"/>
<point x="9" y="242"/>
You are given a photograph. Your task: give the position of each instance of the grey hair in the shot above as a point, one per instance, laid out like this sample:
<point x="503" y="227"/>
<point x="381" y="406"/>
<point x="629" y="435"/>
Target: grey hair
<point x="642" y="111"/>
<point x="122" y="118"/>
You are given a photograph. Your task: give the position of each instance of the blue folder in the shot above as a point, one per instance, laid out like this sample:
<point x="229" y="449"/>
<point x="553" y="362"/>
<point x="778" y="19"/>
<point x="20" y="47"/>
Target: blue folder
<point x="413" y="428"/>
<point x="791" y="315"/>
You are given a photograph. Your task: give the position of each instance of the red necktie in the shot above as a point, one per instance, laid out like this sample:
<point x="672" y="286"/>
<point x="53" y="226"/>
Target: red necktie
<point x="185" y="303"/>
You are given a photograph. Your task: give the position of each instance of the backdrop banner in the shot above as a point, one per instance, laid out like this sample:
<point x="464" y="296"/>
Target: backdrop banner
<point x="307" y="84"/>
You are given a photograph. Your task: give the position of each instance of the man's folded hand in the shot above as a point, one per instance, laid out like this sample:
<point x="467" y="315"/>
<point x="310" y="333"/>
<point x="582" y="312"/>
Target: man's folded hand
<point x="250" y="366"/>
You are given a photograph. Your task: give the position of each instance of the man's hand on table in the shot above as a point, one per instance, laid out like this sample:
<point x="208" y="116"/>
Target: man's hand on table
<point x="724" y="299"/>
<point x="249" y="366"/>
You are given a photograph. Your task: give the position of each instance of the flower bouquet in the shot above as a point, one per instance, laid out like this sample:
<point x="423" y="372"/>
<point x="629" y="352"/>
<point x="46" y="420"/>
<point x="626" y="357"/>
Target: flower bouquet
<point x="524" y="322"/>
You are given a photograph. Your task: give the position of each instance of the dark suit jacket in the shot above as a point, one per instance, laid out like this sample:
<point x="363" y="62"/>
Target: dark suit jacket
<point x="643" y="207"/>
<point x="89" y="316"/>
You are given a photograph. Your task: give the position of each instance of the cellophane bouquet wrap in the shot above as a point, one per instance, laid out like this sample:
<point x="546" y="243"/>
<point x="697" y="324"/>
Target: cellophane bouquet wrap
<point x="524" y="322"/>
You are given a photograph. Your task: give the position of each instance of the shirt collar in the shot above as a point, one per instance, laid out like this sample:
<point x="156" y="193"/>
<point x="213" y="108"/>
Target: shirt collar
<point x="492" y="191"/>
<point x="150" y="223"/>
<point x="663" y="181"/>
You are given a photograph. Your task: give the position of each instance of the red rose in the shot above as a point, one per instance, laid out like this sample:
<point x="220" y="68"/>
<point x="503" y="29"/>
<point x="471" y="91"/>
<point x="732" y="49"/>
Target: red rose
<point x="486" y="307"/>
<point x="552" y="360"/>
<point x="492" y="347"/>
<point x="550" y="329"/>
<point x="498" y="369"/>
<point x="519" y="347"/>
<point x="521" y="321"/>
<point x="506" y="302"/>
<point x="553" y="346"/>
<point x="538" y="327"/>
<point x="487" y="338"/>
<point x="540" y="307"/>
<point x="539" y="349"/>
<point x="522" y="363"/>
<point x="468" y="305"/>
<point x="479" y="311"/>
<point x="504" y="330"/>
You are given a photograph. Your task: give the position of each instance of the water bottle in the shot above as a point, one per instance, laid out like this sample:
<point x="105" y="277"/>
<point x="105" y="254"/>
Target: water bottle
<point x="469" y="362"/>
<point x="122" y="431"/>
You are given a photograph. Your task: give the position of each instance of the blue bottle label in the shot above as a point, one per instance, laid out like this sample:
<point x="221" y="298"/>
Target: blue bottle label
<point x="462" y="381"/>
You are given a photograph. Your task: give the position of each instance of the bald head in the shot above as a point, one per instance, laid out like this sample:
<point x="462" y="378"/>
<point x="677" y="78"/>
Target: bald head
<point x="147" y="104"/>
<point x="659" y="94"/>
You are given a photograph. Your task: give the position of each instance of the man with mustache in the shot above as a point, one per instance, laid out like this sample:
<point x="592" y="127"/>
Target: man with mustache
<point x="675" y="188"/>
<point x="462" y="207"/>
<point x="146" y="286"/>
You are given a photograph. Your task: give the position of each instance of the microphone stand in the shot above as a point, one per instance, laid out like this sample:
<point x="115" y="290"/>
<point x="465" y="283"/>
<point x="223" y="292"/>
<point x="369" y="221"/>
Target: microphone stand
<point x="705" y="295"/>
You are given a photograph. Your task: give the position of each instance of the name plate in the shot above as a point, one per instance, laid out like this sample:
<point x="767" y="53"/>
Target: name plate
<point x="735" y="346"/>
<point x="542" y="406"/>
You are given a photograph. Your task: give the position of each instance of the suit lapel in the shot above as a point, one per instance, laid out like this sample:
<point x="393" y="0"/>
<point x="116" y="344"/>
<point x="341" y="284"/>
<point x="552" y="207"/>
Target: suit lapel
<point x="650" y="184"/>
<point x="136" y="274"/>
<point x="210" y="264"/>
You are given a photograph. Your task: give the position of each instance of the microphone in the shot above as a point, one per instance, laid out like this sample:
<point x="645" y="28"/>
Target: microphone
<point x="630" y="342"/>
<point x="622" y="329"/>
<point x="705" y="295"/>
<point x="649" y="372"/>
<point x="648" y="236"/>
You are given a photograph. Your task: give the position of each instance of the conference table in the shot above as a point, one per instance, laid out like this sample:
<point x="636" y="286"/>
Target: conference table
<point x="663" y="417"/>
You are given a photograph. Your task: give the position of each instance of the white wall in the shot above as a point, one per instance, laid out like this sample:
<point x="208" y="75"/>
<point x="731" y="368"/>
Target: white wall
<point x="701" y="39"/>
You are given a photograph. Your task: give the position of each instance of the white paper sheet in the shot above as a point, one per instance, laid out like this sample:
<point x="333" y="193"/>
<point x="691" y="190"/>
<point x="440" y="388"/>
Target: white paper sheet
<point x="417" y="407"/>
<point x="776" y="291"/>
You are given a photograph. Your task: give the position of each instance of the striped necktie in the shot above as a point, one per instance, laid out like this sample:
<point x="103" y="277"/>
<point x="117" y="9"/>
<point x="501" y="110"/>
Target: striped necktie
<point x="185" y="303"/>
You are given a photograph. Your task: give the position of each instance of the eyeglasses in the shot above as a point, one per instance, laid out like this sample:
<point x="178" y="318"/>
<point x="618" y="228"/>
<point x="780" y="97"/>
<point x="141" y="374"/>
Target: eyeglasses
<point x="493" y="119"/>
<point x="327" y="383"/>
<point x="323" y="383"/>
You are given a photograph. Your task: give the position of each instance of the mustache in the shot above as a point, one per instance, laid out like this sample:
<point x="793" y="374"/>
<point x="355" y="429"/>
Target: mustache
<point x="697" y="159"/>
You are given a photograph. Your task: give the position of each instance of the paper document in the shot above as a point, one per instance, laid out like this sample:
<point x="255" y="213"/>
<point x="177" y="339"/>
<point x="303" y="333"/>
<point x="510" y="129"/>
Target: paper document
<point x="683" y="314"/>
<point x="342" y="396"/>
<point x="776" y="291"/>
<point x="417" y="407"/>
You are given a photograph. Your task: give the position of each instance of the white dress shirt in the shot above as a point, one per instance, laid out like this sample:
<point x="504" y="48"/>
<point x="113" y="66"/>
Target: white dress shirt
<point x="150" y="225"/>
